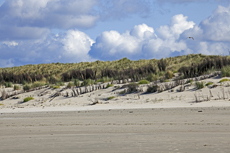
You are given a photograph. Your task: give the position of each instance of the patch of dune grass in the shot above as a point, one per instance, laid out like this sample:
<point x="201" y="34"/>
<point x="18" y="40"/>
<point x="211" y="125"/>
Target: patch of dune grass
<point x="109" y="98"/>
<point x="224" y="80"/>
<point x="143" y="82"/>
<point x="28" y="99"/>
<point x="209" y="83"/>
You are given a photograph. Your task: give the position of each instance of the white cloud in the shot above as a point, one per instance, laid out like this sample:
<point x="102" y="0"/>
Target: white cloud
<point x="10" y="43"/>
<point x="178" y="25"/>
<point x="217" y="26"/>
<point x="72" y="46"/>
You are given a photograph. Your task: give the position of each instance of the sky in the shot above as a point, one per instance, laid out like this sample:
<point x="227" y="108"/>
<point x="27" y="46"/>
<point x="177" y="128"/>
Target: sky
<point x="73" y="31"/>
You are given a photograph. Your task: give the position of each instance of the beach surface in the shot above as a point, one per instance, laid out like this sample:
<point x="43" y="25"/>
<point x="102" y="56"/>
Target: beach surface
<point x="191" y="129"/>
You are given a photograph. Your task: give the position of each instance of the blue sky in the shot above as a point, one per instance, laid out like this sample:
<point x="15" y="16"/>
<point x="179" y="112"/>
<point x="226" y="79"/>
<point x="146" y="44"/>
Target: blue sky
<point x="70" y="31"/>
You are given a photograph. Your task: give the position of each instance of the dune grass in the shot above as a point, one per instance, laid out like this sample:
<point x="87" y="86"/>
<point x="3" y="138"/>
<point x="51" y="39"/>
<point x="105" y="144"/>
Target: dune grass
<point x="28" y="99"/>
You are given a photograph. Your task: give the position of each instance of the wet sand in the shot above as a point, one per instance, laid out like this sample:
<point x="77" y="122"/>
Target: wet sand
<point x="139" y="130"/>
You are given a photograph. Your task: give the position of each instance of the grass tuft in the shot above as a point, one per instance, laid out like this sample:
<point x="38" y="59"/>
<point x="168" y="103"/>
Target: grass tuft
<point x="28" y="99"/>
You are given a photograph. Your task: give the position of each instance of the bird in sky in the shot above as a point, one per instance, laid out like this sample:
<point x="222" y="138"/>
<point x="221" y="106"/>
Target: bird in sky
<point x="190" y="38"/>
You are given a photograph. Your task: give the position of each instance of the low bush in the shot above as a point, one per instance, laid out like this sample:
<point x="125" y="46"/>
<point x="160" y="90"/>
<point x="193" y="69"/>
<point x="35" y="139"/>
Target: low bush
<point x="28" y="99"/>
<point x="169" y="75"/>
<point x="152" y="77"/>
<point x="225" y="71"/>
<point x="143" y="82"/>
<point x="37" y="84"/>
<point x="70" y="84"/>
<point x="60" y="83"/>
<point x="109" y="98"/>
<point x="26" y="87"/>
<point x="132" y="87"/>
<point x="8" y="84"/>
<point x="17" y="87"/>
<point x="224" y="80"/>
<point x="152" y="88"/>
<point x="55" y="87"/>
<point x="109" y="85"/>
<point x="87" y="82"/>
<point x="77" y="83"/>
<point x="200" y="85"/>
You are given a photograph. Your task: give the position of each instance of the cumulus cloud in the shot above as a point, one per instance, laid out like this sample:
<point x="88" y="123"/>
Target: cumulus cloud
<point x="142" y="41"/>
<point x="31" y="19"/>
<point x="72" y="46"/>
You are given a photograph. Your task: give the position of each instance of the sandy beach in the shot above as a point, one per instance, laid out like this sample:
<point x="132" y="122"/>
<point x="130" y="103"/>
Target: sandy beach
<point x="120" y="130"/>
<point x="138" y="122"/>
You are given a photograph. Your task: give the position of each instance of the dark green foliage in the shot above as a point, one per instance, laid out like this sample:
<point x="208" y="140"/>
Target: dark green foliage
<point x="26" y="87"/>
<point x="70" y="84"/>
<point x="17" y="87"/>
<point x="132" y="87"/>
<point x="28" y="99"/>
<point x="77" y="83"/>
<point x="169" y="75"/>
<point x="200" y="85"/>
<point x="152" y="88"/>
<point x="8" y="84"/>
<point x="162" y="64"/>
<point x="87" y="82"/>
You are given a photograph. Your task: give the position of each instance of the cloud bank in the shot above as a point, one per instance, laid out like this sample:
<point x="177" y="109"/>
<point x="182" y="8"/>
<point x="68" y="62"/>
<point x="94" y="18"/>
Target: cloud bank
<point x="28" y="40"/>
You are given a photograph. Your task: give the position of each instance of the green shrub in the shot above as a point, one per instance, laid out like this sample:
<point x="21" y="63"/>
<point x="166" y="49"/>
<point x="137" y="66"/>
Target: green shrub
<point x="26" y="87"/>
<point x="200" y="85"/>
<point x="17" y="87"/>
<point x="87" y="82"/>
<point x="132" y="87"/>
<point x="8" y="84"/>
<point x="209" y="83"/>
<point x="169" y="75"/>
<point x="224" y="80"/>
<point x="28" y="99"/>
<point x="60" y="83"/>
<point x="225" y="71"/>
<point x="109" y="98"/>
<point x="104" y="79"/>
<point x="152" y="77"/>
<point x="70" y="84"/>
<point x="152" y="88"/>
<point x="166" y="80"/>
<point x="38" y="84"/>
<point x="143" y="82"/>
<point x="24" y="82"/>
<point x="77" y="83"/>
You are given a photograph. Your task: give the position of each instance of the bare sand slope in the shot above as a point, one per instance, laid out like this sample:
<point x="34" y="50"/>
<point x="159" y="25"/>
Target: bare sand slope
<point x="160" y="130"/>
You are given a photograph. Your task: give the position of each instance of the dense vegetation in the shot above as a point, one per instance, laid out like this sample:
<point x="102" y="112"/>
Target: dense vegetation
<point x="99" y="71"/>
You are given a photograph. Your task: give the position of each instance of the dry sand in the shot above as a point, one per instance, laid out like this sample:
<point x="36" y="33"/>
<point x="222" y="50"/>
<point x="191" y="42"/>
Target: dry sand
<point x="117" y="131"/>
<point x="159" y="122"/>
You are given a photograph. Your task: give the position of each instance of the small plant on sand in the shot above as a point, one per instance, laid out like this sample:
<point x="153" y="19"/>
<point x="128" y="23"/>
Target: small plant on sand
<point x="77" y="83"/>
<point x="169" y="75"/>
<point x="143" y="82"/>
<point x="109" y="85"/>
<point x="209" y="83"/>
<point x="56" y="87"/>
<point x="26" y="87"/>
<point x="28" y="99"/>
<point x="152" y="88"/>
<point x="70" y="84"/>
<point x="17" y="87"/>
<point x="109" y="98"/>
<point x="224" y="80"/>
<point x="1" y="104"/>
<point x="132" y="87"/>
<point x="200" y="85"/>
<point x="8" y="84"/>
